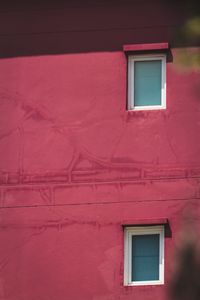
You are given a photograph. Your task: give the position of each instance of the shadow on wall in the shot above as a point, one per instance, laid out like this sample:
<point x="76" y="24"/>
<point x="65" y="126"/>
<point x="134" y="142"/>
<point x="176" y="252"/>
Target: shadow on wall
<point x="30" y="28"/>
<point x="185" y="283"/>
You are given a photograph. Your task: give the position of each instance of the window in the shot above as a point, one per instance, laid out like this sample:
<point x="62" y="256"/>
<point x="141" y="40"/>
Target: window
<point x="144" y="255"/>
<point x="146" y="82"/>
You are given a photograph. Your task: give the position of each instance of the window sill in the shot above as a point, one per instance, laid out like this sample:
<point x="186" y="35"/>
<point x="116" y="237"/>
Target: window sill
<point x="145" y="283"/>
<point x="137" y="108"/>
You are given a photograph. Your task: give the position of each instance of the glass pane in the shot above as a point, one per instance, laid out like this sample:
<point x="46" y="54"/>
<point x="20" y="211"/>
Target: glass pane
<point x="147" y="82"/>
<point x="145" y="257"/>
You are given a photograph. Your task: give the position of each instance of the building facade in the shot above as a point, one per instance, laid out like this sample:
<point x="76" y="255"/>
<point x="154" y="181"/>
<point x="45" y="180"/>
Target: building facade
<point x="99" y="148"/>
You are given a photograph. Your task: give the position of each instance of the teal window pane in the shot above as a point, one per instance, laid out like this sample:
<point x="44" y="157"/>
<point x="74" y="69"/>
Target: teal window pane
<point x="147" y="82"/>
<point x="145" y="257"/>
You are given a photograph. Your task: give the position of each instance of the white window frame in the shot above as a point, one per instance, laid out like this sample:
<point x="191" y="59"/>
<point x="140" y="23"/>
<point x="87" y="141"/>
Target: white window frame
<point x="143" y="230"/>
<point x="131" y="61"/>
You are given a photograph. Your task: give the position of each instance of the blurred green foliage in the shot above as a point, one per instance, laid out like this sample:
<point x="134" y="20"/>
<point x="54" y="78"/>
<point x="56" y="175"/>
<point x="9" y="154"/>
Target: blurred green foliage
<point x="189" y="37"/>
<point x="192" y="27"/>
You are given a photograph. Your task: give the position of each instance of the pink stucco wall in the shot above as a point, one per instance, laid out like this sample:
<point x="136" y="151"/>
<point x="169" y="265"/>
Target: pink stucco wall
<point x="75" y="164"/>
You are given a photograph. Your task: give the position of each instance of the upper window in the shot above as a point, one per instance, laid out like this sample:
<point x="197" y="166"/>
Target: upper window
<point x="146" y="82"/>
<point x="144" y="255"/>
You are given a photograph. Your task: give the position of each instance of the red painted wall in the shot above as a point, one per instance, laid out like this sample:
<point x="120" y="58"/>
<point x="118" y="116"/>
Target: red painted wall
<point x="75" y="164"/>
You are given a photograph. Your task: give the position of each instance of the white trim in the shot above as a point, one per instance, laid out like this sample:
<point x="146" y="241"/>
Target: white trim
<point x="144" y="230"/>
<point x="131" y="61"/>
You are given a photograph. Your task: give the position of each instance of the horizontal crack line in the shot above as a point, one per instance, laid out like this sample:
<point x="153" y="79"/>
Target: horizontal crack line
<point x="98" y="203"/>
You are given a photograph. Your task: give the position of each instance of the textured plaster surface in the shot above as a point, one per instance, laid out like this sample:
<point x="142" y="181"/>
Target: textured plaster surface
<point x="75" y="165"/>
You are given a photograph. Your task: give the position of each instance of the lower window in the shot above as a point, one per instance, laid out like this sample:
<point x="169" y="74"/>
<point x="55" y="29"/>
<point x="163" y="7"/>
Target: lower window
<point x="144" y="255"/>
